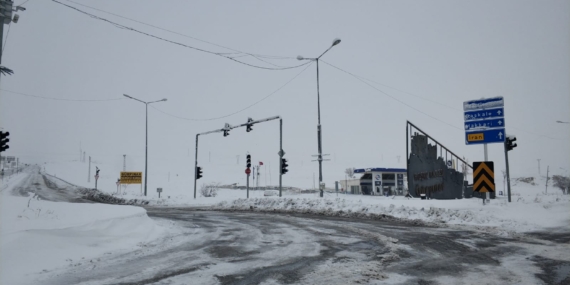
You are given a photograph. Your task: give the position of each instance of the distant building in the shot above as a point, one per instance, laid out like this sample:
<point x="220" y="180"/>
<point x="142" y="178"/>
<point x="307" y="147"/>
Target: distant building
<point x="377" y="181"/>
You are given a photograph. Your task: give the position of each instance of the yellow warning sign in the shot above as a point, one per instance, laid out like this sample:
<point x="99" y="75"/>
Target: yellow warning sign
<point x="131" y="177"/>
<point x="483" y="176"/>
<point x="475" y="137"/>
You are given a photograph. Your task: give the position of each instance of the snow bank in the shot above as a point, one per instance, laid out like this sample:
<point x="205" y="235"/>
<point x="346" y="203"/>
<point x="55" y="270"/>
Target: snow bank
<point x="39" y="236"/>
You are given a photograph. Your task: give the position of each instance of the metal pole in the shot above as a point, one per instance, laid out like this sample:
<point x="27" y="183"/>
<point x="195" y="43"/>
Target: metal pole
<point x="196" y="166"/>
<point x="547" y="169"/>
<point x="319" y="131"/>
<point x="247" y="186"/>
<point x="280" y="153"/>
<point x="487" y="195"/>
<point x="146" y="152"/>
<point x="89" y="172"/>
<point x="508" y="175"/>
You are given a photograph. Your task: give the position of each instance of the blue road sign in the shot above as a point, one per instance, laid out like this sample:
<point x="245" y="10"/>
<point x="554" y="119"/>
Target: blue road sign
<point x="484" y="121"/>
<point x="484" y="114"/>
<point x="483" y="104"/>
<point x="485" y="124"/>
<point x="485" y="136"/>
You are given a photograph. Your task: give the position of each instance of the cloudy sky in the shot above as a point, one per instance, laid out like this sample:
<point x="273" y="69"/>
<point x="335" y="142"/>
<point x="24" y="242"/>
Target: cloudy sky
<point x="398" y="61"/>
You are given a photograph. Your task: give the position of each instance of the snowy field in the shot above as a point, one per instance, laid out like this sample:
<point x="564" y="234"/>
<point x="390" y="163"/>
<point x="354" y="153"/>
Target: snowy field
<point x="80" y="233"/>
<point x="531" y="208"/>
<point x="37" y="236"/>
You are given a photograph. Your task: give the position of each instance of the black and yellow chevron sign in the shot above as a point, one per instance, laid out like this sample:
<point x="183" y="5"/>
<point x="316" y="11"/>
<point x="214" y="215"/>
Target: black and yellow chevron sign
<point x="483" y="176"/>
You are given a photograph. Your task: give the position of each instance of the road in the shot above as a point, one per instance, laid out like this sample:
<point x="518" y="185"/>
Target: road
<point x="211" y="247"/>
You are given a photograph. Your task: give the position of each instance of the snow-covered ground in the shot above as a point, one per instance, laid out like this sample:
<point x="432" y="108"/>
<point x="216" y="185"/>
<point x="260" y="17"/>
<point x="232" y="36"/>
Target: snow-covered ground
<point x="531" y="208"/>
<point x="80" y="233"/>
<point x="37" y="236"/>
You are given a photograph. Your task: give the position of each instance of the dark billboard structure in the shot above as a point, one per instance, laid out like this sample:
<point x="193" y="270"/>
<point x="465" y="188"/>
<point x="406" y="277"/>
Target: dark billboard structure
<point x="433" y="173"/>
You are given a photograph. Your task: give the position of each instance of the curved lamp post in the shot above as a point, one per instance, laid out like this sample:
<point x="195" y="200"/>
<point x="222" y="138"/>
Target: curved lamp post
<point x="146" y="137"/>
<point x="320" y="155"/>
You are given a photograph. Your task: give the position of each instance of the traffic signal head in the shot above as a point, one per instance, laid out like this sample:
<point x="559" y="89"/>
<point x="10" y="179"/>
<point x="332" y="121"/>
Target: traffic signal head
<point x="509" y="143"/>
<point x="284" y="166"/>
<point x="4" y="141"/>
<point x="249" y="125"/>
<point x="248" y="161"/>
<point x="198" y="172"/>
<point x="227" y="129"/>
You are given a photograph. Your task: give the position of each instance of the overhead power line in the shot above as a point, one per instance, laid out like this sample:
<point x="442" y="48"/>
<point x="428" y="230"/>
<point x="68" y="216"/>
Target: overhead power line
<point x="362" y="79"/>
<point x="187" y="36"/>
<point x="7" y="34"/>
<point x="241" y="110"/>
<point x="61" y="99"/>
<point x="224" y="55"/>
<point x="381" y="91"/>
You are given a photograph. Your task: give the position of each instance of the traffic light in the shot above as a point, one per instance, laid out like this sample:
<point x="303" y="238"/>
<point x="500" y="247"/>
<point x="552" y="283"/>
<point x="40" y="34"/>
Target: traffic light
<point x="248" y="162"/>
<point x="284" y="166"/>
<point x="4" y="141"/>
<point x="509" y="143"/>
<point x="198" y="172"/>
<point x="249" y="125"/>
<point x="227" y="129"/>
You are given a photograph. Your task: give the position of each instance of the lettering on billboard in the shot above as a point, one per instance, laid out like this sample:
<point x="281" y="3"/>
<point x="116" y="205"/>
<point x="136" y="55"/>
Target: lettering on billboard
<point x="131" y="177"/>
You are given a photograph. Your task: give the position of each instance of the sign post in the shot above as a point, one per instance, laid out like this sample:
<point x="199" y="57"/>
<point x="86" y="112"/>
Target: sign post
<point x="130" y="177"/>
<point x="484" y="123"/>
<point x="159" y="190"/>
<point x="247" y="172"/>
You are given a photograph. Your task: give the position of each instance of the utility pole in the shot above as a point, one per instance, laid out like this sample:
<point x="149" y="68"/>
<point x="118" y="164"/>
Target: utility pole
<point x="124" y="162"/>
<point x="6" y="9"/>
<point x="89" y="172"/>
<point x="547" y="168"/>
<point x="538" y="166"/>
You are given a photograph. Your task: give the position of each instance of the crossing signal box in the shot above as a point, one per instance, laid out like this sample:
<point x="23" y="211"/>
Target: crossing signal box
<point x="226" y="133"/>
<point x="284" y="166"/>
<point x="198" y="172"/>
<point x="4" y="141"/>
<point x="248" y="162"/>
<point x="509" y="142"/>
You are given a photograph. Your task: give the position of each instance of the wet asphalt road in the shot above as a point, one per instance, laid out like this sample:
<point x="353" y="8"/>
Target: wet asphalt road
<point x="211" y="247"/>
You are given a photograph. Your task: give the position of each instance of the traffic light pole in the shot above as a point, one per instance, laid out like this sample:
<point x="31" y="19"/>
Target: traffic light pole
<point x="508" y="174"/>
<point x="227" y="128"/>
<point x="280" y="153"/>
<point x="196" y="166"/>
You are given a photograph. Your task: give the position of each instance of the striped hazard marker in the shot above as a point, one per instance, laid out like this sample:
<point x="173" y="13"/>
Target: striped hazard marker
<point x="483" y="176"/>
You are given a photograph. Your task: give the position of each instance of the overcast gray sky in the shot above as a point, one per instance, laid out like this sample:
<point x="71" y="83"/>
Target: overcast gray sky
<point x="429" y="55"/>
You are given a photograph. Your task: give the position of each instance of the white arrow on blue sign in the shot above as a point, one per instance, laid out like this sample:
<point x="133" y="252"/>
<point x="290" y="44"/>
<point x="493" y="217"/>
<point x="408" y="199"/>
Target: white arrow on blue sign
<point x="484" y="121"/>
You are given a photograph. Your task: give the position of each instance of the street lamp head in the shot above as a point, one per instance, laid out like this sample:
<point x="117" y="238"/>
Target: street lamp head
<point x="127" y="96"/>
<point x="164" y="99"/>
<point x="336" y="42"/>
<point x="300" y="57"/>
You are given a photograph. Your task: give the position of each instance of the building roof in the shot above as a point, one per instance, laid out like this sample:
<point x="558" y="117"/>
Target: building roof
<point x="380" y="169"/>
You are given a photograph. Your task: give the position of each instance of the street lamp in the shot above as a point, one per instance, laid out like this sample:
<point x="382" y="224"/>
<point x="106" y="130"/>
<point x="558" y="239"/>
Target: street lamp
<point x="561" y="122"/>
<point x="320" y="155"/>
<point x="146" y="139"/>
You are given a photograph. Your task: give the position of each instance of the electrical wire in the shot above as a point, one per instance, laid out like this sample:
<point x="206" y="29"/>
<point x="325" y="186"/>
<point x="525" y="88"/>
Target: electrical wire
<point x="61" y="99"/>
<point x="362" y="80"/>
<point x="381" y="91"/>
<point x="117" y="25"/>
<point x="7" y="34"/>
<point x="23" y="3"/>
<point x="184" y="35"/>
<point x="241" y="110"/>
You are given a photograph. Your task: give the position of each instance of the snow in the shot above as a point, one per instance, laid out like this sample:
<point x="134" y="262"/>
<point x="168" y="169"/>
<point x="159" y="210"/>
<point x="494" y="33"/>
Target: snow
<point x="530" y="209"/>
<point x="38" y="236"/>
